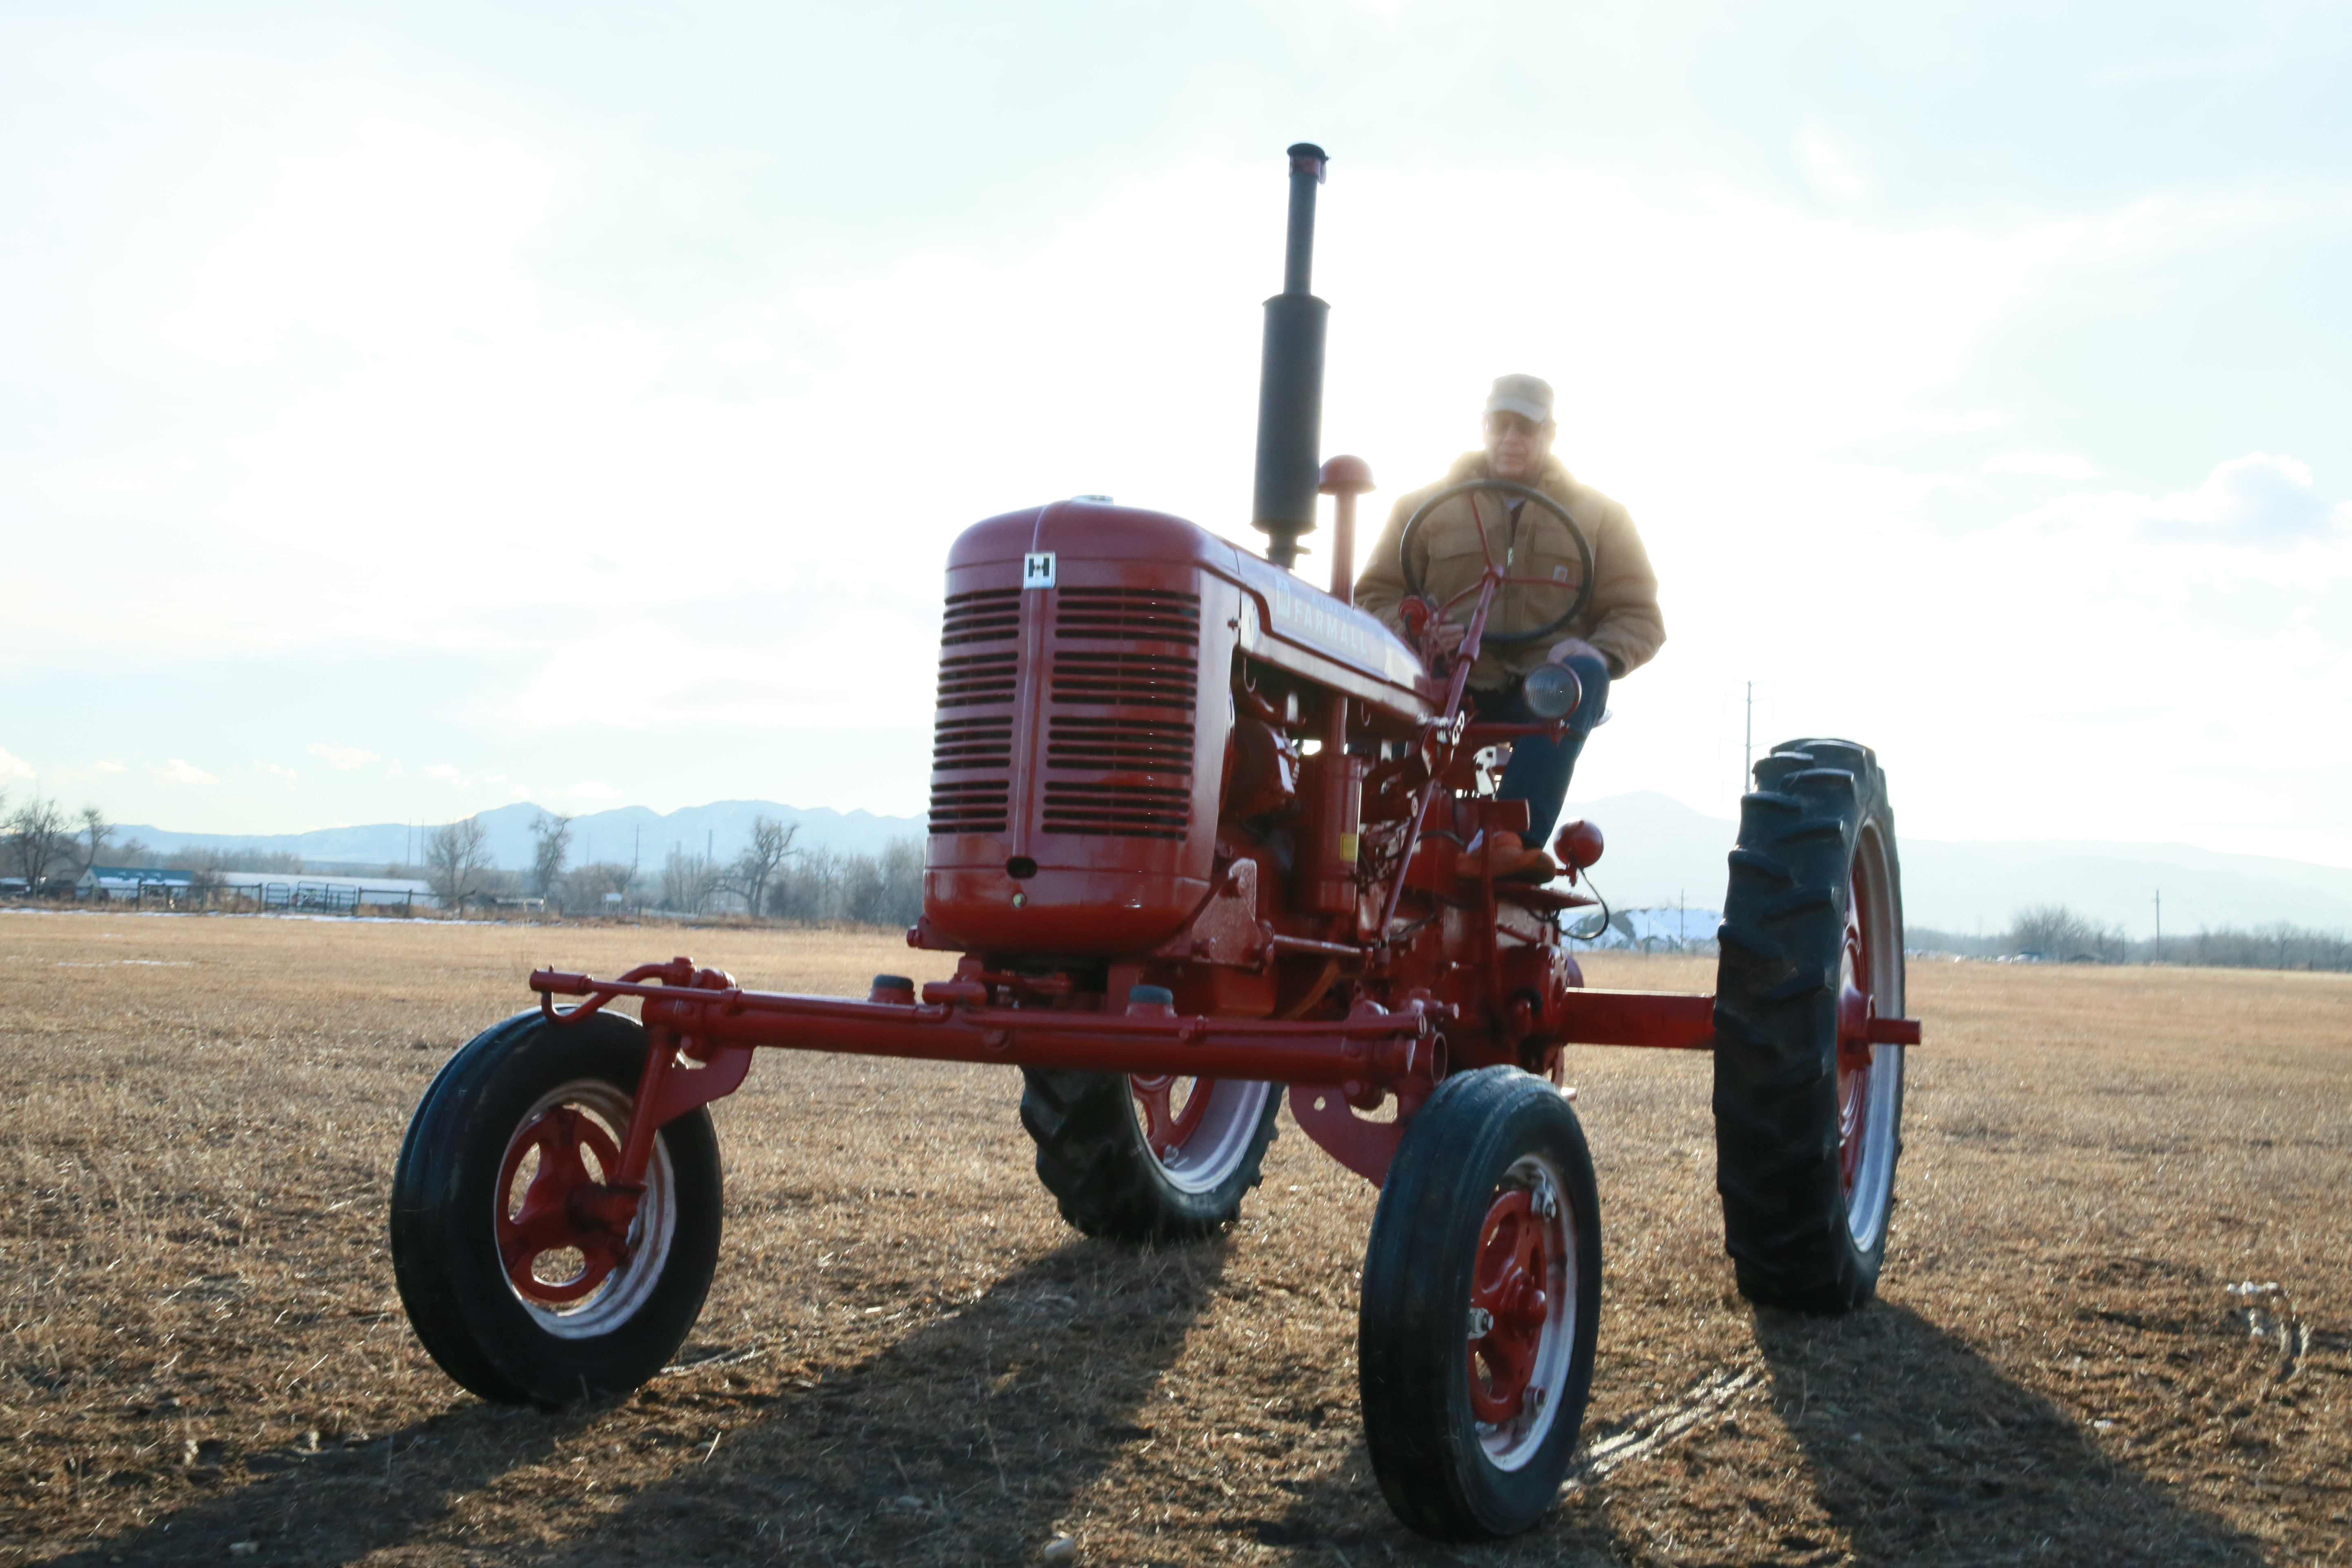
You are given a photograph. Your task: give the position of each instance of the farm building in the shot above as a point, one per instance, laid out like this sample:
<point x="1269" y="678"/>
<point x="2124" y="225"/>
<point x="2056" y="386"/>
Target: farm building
<point x="136" y="883"/>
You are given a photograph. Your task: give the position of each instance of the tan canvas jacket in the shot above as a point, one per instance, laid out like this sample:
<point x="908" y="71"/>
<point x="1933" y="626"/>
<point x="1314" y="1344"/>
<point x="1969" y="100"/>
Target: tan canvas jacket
<point x="1622" y="619"/>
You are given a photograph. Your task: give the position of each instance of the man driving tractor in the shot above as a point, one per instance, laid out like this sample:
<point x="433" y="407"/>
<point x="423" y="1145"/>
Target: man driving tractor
<point x="1616" y="633"/>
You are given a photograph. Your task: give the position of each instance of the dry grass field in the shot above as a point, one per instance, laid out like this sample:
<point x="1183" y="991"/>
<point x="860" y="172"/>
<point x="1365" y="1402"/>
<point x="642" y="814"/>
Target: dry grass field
<point x="907" y="1359"/>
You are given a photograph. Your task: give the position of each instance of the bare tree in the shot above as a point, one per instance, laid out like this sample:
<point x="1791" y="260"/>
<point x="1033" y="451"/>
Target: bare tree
<point x="37" y="835"/>
<point x="95" y="831"/>
<point x="771" y="846"/>
<point x="807" y="889"/>
<point x="456" y="855"/>
<point x="585" y="887"/>
<point x="552" y="833"/>
<point x="687" y="881"/>
<point x="901" y="902"/>
<point x="2054" y="932"/>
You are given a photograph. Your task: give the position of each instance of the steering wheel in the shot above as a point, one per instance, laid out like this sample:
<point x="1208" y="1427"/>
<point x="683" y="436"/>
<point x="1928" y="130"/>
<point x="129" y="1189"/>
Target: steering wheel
<point x="1486" y="545"/>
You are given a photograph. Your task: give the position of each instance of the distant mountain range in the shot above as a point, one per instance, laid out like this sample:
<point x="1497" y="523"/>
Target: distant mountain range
<point x="1660" y="852"/>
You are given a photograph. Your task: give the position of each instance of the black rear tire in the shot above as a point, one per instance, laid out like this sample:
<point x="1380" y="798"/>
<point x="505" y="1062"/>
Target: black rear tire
<point x="1491" y="1147"/>
<point x="1094" y="1157"/>
<point x="447" y="1208"/>
<point x="1806" y="1143"/>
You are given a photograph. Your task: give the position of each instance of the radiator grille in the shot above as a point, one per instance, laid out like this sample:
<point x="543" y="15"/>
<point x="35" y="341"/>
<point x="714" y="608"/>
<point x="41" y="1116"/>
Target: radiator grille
<point x="972" y="747"/>
<point x="977" y="806"/>
<point x="963" y="743"/>
<point x="991" y="615"/>
<point x="1119" y="745"/>
<point x="1117" y="810"/>
<point x="1123" y="679"/>
<point x="1130" y="615"/>
<point x="969" y="679"/>
<point x="1121" y="688"/>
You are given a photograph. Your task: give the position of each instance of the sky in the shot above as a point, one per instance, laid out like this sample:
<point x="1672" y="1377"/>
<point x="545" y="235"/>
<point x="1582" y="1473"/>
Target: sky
<point x="409" y="409"/>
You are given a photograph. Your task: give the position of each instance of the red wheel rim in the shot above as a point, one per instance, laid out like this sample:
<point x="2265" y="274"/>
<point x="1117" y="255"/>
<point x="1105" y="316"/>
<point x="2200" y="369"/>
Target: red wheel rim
<point x="546" y="1221"/>
<point x="1852" y="1038"/>
<point x="1203" y="1132"/>
<point x="1167" y="1127"/>
<point x="1509" y="1301"/>
<point x="1855" y="1008"/>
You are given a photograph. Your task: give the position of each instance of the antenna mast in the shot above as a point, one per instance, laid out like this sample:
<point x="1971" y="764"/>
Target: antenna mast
<point x="1748" y="746"/>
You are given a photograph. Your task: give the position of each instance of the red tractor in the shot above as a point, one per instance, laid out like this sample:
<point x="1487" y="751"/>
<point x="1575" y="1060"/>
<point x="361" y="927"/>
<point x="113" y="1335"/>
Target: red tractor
<point x="1197" y="831"/>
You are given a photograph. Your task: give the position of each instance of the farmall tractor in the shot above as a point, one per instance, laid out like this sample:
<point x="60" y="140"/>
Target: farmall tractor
<point x="1198" y="832"/>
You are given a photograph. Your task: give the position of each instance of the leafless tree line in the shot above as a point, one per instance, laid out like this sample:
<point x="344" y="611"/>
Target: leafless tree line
<point x="2054" y="933"/>
<point x="775" y="878"/>
<point x="823" y="887"/>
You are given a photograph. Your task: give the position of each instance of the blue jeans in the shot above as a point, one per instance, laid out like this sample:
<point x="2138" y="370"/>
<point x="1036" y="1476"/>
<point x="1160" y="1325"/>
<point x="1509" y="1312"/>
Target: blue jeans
<point x="1540" y="767"/>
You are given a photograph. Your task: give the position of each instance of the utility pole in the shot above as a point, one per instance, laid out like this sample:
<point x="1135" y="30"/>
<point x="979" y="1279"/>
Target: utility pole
<point x="2159" y="924"/>
<point x="1748" y="746"/>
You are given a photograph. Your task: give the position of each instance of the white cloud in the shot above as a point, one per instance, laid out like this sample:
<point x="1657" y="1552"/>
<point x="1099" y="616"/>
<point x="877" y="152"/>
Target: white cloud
<point x="520" y="792"/>
<point x="14" y="767"/>
<point x="2254" y="518"/>
<point x="591" y="790"/>
<point x="275" y="772"/>
<point x="178" y="771"/>
<point x="344" y="759"/>
<point x="441" y="771"/>
<point x="107" y="768"/>
<point x="2259" y="500"/>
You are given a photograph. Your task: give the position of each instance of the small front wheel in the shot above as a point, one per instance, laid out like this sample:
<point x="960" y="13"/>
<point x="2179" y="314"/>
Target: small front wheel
<point x="1481" y="1301"/>
<point x="529" y="1279"/>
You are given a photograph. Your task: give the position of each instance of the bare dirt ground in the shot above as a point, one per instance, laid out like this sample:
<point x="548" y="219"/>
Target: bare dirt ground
<point x="907" y="1358"/>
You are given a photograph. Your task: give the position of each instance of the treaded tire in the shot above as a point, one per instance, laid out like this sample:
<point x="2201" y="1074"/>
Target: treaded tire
<point x="1806" y="1197"/>
<point x="1481" y="1137"/>
<point x="447" y="1209"/>
<point x="1093" y="1157"/>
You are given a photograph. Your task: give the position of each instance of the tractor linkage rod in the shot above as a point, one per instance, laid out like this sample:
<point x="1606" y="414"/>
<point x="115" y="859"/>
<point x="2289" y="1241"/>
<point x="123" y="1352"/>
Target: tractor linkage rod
<point x="1369" y="1045"/>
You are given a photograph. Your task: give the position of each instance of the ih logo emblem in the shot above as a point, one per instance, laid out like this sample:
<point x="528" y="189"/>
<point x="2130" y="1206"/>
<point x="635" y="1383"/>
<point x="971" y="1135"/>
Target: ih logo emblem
<point x="1037" y="569"/>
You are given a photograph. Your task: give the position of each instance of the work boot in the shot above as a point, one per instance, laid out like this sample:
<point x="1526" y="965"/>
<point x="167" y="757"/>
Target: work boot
<point x="1506" y="857"/>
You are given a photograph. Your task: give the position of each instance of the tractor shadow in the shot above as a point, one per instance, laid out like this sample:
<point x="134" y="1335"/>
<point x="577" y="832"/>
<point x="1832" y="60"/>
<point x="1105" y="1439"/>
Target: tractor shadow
<point x="1915" y="1449"/>
<point x="336" y="1506"/>
<point x="965" y="1438"/>
<point x="1921" y="1451"/>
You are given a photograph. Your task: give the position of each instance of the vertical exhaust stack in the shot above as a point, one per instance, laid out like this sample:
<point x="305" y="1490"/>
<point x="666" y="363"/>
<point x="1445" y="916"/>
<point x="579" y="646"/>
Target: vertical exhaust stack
<point x="1290" y="380"/>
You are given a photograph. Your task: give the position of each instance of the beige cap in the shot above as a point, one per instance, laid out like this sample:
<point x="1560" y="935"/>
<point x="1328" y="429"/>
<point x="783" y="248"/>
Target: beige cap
<point x="1529" y="396"/>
